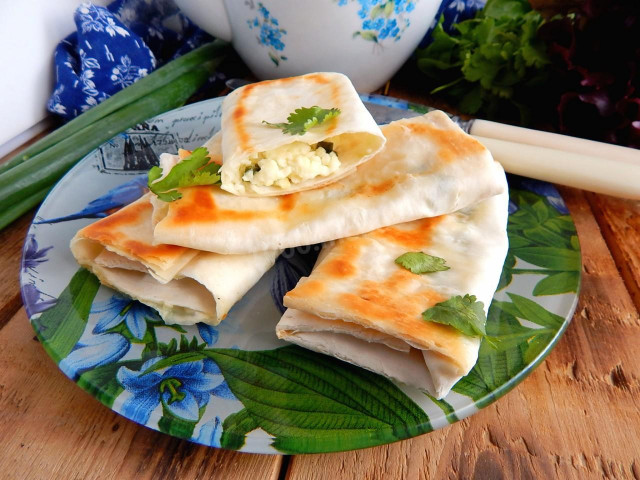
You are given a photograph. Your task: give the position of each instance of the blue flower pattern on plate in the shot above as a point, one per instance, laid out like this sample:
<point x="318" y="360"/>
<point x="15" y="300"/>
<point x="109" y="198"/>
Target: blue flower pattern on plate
<point x="33" y="301"/>
<point x="120" y="309"/>
<point x="183" y="389"/>
<point x="33" y="255"/>
<point x="210" y="432"/>
<point x="94" y="352"/>
<point x="207" y="333"/>
<point x="270" y="33"/>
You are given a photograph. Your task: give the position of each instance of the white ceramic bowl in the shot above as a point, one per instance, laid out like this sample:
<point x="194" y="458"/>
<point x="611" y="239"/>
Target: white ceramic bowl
<point x="368" y="40"/>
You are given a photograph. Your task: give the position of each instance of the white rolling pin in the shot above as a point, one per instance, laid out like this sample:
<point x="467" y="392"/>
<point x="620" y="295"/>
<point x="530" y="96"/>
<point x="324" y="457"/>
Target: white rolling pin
<point x="595" y="166"/>
<point x="604" y="170"/>
<point x="555" y="141"/>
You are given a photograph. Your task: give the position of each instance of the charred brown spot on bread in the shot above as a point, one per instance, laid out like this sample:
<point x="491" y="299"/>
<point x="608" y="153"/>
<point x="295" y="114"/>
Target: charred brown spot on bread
<point x="397" y="293"/>
<point x="415" y="238"/>
<point x="107" y="227"/>
<point x="112" y="230"/>
<point x="238" y="122"/>
<point x="453" y="143"/>
<point x="306" y="288"/>
<point x="287" y="202"/>
<point x="339" y="267"/>
<point x="375" y="189"/>
<point x="380" y="306"/>
<point x="342" y="261"/>
<point x="145" y="251"/>
<point x="197" y="205"/>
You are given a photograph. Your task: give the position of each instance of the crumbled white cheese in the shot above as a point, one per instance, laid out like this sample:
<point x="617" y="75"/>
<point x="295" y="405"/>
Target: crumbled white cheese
<point x="289" y="164"/>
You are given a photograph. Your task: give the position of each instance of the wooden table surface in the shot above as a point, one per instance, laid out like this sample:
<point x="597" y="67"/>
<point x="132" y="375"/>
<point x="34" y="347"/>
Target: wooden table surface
<point x="576" y="416"/>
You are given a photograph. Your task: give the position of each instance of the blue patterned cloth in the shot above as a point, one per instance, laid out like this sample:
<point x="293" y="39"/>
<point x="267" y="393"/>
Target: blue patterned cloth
<point x="115" y="46"/>
<point x="454" y="11"/>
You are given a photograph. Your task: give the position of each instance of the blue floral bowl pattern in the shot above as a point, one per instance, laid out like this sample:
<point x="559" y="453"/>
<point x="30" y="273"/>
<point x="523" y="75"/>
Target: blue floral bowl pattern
<point x="382" y="19"/>
<point x="270" y="34"/>
<point x="236" y="385"/>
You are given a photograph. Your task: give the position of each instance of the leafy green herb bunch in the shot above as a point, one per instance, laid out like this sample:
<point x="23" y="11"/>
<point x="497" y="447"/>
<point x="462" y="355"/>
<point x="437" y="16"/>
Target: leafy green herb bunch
<point x="492" y="64"/>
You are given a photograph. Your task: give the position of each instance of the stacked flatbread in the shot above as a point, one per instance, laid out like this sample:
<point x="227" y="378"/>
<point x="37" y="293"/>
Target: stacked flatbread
<point x="185" y="286"/>
<point x="360" y="306"/>
<point x="415" y="185"/>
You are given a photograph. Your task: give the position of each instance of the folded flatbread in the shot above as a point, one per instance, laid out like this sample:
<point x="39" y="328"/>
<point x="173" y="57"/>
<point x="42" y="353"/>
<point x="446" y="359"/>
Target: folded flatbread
<point x="360" y="306"/>
<point x="185" y="286"/>
<point x="428" y="167"/>
<point x="263" y="160"/>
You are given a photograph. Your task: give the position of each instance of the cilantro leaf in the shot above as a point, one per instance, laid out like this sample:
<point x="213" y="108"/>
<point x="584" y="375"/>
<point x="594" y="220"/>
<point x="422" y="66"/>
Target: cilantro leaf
<point x="419" y="262"/>
<point x="465" y="314"/>
<point x="302" y="119"/>
<point x="196" y="169"/>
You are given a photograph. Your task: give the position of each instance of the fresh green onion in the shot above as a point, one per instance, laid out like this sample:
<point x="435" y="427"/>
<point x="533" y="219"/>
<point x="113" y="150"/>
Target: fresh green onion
<point x="23" y="184"/>
<point x="139" y="89"/>
<point x="18" y="209"/>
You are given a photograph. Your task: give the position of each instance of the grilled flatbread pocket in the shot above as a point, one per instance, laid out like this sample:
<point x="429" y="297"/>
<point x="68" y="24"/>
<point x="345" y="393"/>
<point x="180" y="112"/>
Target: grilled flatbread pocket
<point x="428" y="167"/>
<point x="186" y="286"/>
<point x="359" y="305"/>
<point x="262" y="160"/>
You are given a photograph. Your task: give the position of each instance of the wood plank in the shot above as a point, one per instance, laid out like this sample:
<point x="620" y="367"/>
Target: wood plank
<point x="619" y="220"/>
<point x="53" y="429"/>
<point x="576" y="416"/>
<point x="12" y="239"/>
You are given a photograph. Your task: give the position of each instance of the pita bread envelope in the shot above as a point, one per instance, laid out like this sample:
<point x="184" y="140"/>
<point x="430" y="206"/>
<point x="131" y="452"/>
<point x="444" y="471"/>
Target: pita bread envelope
<point x="185" y="286"/>
<point x="429" y="167"/>
<point x="262" y="160"/>
<point x="360" y="306"/>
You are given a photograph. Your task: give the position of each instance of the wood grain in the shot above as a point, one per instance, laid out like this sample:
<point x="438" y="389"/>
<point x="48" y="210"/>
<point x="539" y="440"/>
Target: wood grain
<point x="576" y="416"/>
<point x="11" y="240"/>
<point x="619" y="221"/>
<point x="53" y="429"/>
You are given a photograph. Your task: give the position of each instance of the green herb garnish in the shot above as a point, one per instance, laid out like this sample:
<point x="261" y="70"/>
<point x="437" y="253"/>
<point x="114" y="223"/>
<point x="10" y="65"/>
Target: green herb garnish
<point x="465" y="314"/>
<point x="490" y="62"/>
<point x="419" y="262"/>
<point x="193" y="170"/>
<point x="302" y="119"/>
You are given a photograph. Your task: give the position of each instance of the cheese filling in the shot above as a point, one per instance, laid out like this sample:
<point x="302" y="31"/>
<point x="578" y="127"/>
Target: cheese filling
<point x="290" y="164"/>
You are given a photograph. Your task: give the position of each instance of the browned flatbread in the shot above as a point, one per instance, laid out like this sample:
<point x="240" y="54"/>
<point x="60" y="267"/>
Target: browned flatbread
<point x="185" y="286"/>
<point x="353" y="133"/>
<point x="428" y="167"/>
<point x="357" y="284"/>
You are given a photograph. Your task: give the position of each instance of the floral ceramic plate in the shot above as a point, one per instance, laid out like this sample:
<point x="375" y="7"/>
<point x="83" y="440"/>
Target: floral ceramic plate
<point x="236" y="385"/>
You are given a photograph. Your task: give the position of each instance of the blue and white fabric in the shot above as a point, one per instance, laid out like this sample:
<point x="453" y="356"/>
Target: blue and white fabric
<point x="113" y="47"/>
